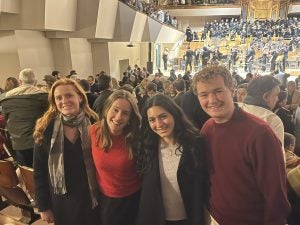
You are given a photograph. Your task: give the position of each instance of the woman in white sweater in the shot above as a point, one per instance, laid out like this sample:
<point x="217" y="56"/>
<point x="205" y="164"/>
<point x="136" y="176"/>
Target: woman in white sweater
<point x="173" y="163"/>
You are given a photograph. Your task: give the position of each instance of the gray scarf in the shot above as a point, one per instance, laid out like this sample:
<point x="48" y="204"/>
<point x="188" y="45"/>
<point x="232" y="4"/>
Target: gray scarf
<point x="56" y="154"/>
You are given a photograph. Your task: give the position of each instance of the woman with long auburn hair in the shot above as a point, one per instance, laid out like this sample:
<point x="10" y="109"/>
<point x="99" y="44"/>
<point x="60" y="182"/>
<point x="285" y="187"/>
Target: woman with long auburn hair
<point x="64" y="173"/>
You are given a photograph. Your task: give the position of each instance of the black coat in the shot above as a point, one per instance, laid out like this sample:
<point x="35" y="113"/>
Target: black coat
<point x="193" y="185"/>
<point x="193" y="110"/>
<point x="21" y="113"/>
<point x="100" y="100"/>
<point x="74" y="207"/>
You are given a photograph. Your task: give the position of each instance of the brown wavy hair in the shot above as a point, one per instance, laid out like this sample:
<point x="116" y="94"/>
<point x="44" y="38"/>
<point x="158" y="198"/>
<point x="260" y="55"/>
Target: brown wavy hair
<point x="52" y="111"/>
<point x="131" y="130"/>
<point x="211" y="72"/>
<point x="11" y="83"/>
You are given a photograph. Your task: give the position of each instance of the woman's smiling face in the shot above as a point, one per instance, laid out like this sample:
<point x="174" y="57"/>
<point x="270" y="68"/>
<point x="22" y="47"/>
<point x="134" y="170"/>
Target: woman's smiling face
<point x="161" y="122"/>
<point x="67" y="100"/>
<point x="118" y="116"/>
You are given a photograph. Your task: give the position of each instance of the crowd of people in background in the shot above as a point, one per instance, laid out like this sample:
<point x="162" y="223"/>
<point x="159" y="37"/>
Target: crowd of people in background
<point x="133" y="140"/>
<point x="129" y="142"/>
<point x="286" y="28"/>
<point x="269" y="43"/>
<point x="200" y="2"/>
<point x="153" y="11"/>
<point x="181" y="148"/>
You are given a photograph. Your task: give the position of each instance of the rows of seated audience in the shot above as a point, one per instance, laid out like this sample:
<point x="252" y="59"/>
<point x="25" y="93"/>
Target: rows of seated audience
<point x="138" y="81"/>
<point x="200" y="2"/>
<point x="262" y="51"/>
<point x="153" y="11"/>
<point x="50" y="127"/>
<point x="286" y="28"/>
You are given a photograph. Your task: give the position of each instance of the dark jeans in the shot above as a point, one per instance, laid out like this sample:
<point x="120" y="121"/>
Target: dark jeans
<point x="119" y="211"/>
<point x="165" y="64"/>
<point x="24" y="157"/>
<point x="188" y="63"/>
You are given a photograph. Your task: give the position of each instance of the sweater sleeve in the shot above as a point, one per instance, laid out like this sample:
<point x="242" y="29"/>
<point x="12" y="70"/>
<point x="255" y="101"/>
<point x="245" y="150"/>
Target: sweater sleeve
<point x="269" y="170"/>
<point x="42" y="186"/>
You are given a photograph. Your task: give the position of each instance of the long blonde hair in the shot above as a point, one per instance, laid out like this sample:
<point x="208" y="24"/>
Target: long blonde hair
<point x="52" y="111"/>
<point x="131" y="130"/>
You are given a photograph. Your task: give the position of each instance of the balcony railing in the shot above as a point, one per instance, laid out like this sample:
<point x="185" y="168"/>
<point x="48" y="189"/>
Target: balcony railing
<point x="184" y="3"/>
<point x="152" y="11"/>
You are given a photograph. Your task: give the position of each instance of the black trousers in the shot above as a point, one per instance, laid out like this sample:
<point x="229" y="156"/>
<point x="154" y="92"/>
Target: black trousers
<point x="188" y="62"/>
<point x="24" y="157"/>
<point x="165" y="64"/>
<point x="119" y="211"/>
<point x="179" y="222"/>
<point x="294" y="217"/>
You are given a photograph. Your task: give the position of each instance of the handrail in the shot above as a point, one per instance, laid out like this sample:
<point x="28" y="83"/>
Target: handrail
<point x="133" y="7"/>
<point x="200" y="6"/>
<point x="201" y="3"/>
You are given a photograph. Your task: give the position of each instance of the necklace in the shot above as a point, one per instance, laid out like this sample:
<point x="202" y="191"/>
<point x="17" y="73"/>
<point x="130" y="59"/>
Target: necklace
<point x="174" y="150"/>
<point x="170" y="149"/>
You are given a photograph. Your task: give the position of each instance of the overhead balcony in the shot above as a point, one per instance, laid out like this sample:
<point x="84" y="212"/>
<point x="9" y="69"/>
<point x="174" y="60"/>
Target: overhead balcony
<point x="94" y="19"/>
<point x="207" y="11"/>
<point x="9" y="6"/>
<point x="134" y="26"/>
<point x="203" y="8"/>
<point x="122" y="24"/>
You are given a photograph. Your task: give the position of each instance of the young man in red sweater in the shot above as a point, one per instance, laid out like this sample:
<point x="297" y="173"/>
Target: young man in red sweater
<point x="247" y="170"/>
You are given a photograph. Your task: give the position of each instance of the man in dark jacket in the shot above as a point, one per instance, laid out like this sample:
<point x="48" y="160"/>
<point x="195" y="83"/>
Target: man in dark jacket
<point x="94" y="86"/>
<point x="192" y="109"/>
<point x="91" y="97"/>
<point x="188" y="58"/>
<point x="205" y="56"/>
<point x="21" y="107"/>
<point x="105" y="86"/>
<point x="179" y="86"/>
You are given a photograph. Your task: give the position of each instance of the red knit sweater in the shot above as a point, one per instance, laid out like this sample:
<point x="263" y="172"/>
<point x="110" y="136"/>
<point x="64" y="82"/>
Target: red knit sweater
<point x="248" y="181"/>
<point x="116" y="173"/>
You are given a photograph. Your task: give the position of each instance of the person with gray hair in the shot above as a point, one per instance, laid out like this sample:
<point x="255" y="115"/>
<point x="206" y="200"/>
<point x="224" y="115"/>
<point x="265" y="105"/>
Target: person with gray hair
<point x="293" y="98"/>
<point x="27" y="76"/>
<point x="262" y="96"/>
<point x="21" y="107"/>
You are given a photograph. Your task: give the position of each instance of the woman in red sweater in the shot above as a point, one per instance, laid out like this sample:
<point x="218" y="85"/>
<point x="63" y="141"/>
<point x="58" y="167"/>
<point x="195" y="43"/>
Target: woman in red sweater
<point x="114" y="143"/>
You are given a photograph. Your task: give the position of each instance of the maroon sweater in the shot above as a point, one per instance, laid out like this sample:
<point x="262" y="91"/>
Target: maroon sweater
<point x="248" y="180"/>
